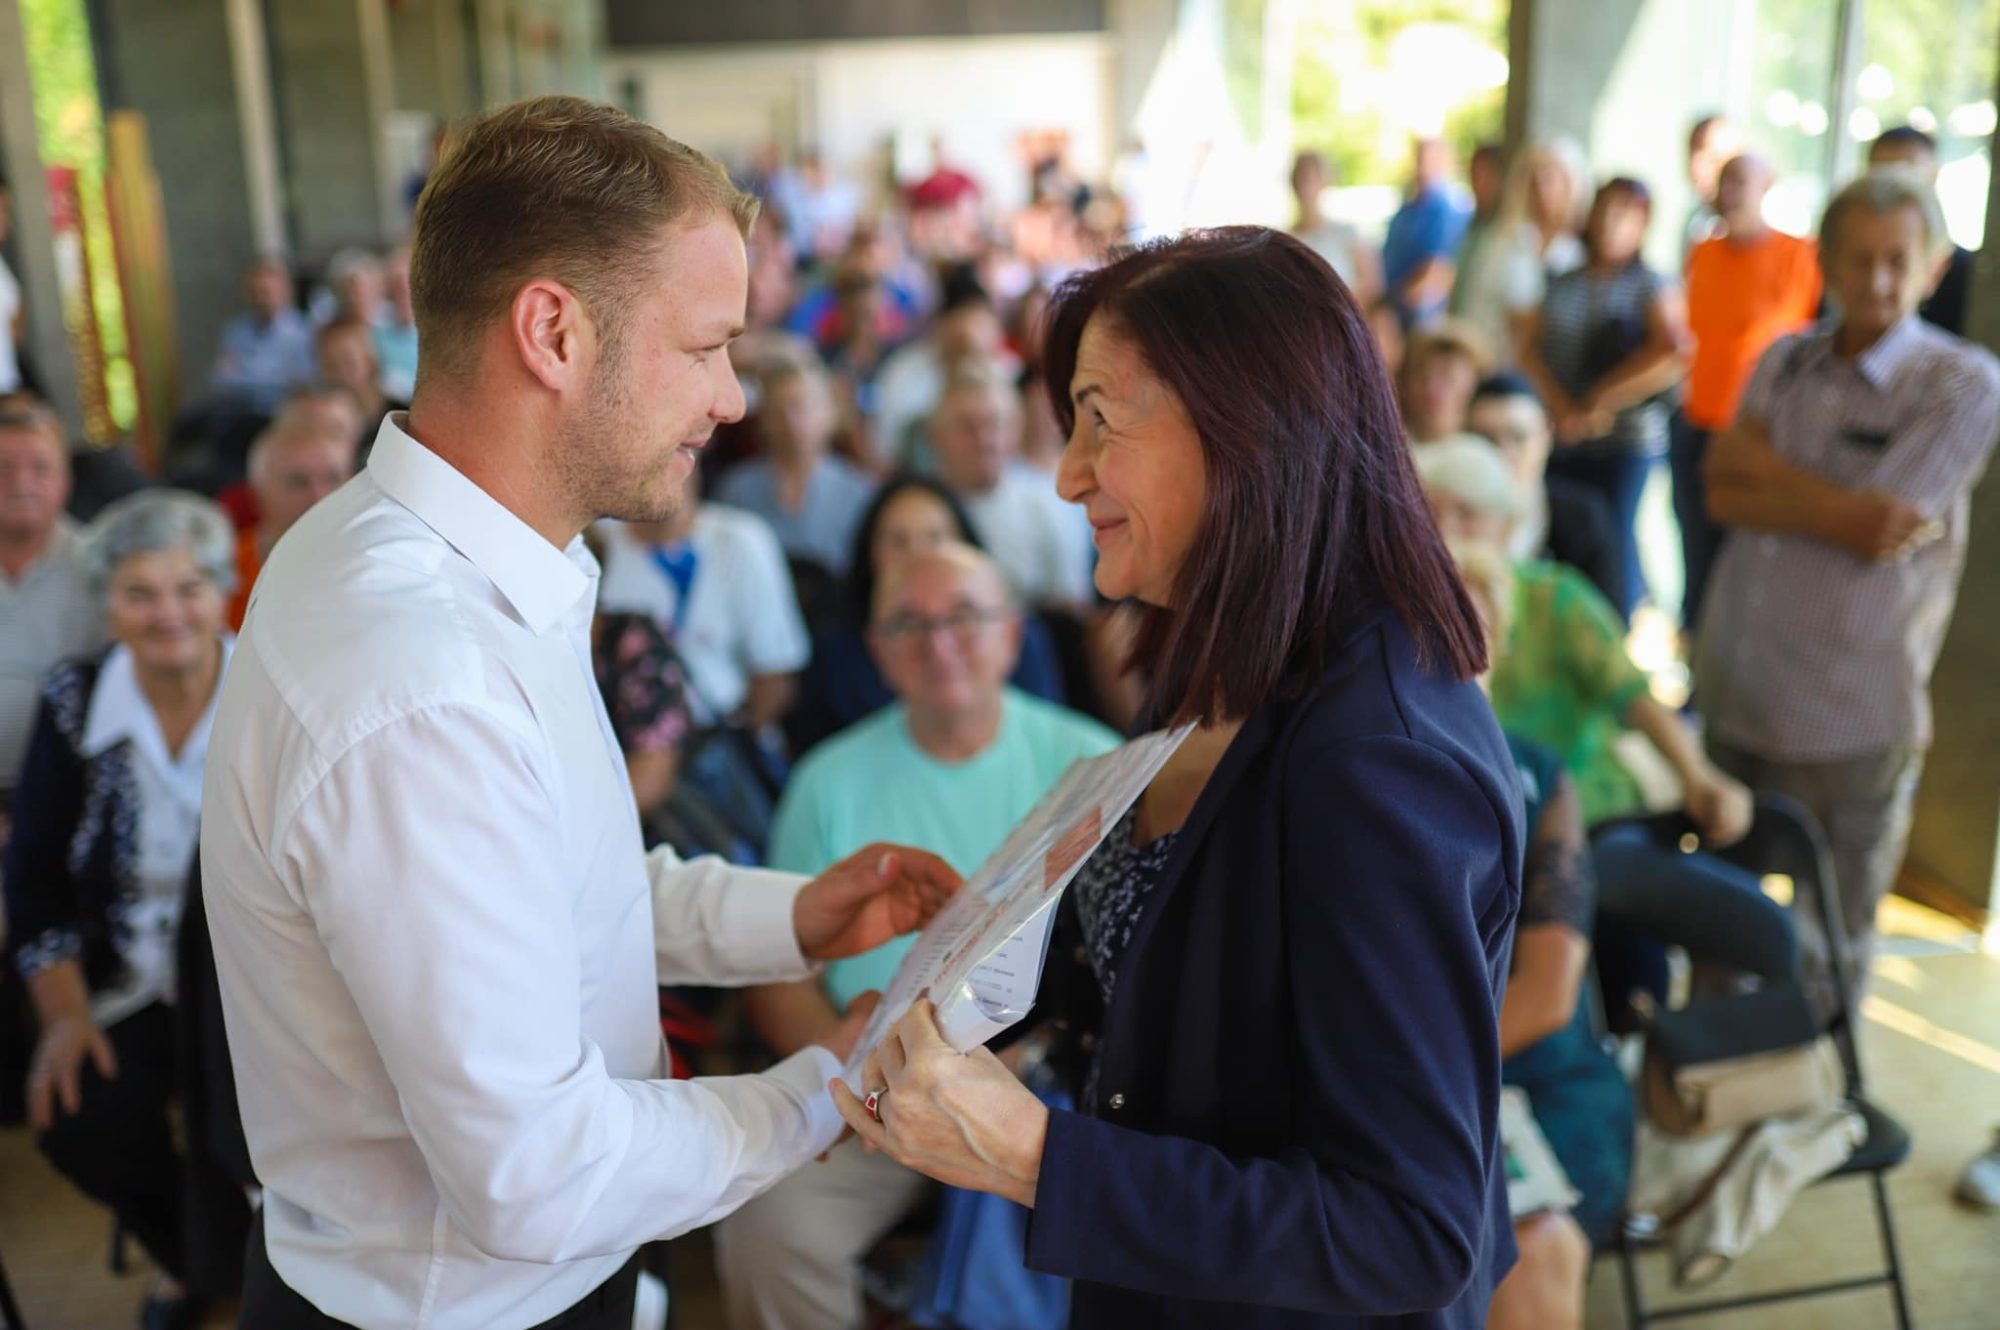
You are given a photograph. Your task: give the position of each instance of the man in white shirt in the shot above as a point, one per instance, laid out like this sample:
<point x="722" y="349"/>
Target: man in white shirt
<point x="438" y="935"/>
<point x="714" y="579"/>
<point x="1040" y="542"/>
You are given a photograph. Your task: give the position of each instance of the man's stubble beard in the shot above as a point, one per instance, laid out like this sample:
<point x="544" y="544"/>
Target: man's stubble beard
<point x="593" y="463"/>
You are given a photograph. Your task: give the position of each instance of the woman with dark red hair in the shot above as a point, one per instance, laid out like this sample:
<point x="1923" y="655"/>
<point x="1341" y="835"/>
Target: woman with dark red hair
<point x="1289" y="957"/>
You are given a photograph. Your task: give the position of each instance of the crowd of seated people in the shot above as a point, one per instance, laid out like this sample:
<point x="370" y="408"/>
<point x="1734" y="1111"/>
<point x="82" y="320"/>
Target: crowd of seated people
<point x="873" y="616"/>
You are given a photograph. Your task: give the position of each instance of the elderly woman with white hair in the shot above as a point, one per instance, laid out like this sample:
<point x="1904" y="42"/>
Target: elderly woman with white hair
<point x="106" y="821"/>
<point x="1561" y="679"/>
<point x="1564" y="678"/>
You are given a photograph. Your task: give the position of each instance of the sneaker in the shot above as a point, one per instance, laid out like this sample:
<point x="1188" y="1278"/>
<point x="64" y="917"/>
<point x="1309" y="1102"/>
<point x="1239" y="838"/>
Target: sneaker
<point x="1980" y="1187"/>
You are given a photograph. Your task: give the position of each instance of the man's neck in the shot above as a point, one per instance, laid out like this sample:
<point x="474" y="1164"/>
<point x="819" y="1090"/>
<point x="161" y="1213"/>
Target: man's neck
<point x="956" y="736"/>
<point x="20" y="551"/>
<point x="1747" y="235"/>
<point x="489" y="444"/>
<point x="1850" y="341"/>
<point x="798" y="466"/>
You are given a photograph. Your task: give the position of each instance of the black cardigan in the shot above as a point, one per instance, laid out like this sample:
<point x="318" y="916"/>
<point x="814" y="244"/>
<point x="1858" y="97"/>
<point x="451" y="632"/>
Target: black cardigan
<point x="72" y="854"/>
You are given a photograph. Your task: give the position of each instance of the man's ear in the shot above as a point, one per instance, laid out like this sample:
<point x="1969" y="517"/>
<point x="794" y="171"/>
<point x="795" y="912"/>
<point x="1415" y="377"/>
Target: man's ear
<point x="545" y="321"/>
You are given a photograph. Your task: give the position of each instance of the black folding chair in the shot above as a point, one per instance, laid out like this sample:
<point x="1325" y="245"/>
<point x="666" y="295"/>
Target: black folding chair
<point x="1785" y="839"/>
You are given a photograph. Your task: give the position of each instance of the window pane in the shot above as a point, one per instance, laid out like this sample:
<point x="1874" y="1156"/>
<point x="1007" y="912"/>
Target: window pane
<point x="1789" y="107"/>
<point x="1930" y="64"/>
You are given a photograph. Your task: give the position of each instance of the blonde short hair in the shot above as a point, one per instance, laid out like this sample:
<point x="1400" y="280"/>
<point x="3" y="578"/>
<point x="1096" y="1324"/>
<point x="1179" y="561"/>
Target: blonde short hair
<point x="554" y="187"/>
<point x="1449" y="337"/>
<point x="1471" y="470"/>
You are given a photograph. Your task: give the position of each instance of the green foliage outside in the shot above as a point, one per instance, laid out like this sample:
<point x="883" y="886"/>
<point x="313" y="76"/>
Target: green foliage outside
<point x="1343" y="49"/>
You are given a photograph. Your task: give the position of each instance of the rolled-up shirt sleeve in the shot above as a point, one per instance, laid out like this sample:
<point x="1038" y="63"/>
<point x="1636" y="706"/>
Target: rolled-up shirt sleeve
<point x="449" y="921"/>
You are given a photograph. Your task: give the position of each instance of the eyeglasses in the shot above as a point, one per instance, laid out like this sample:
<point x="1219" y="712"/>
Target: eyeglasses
<point x="962" y="623"/>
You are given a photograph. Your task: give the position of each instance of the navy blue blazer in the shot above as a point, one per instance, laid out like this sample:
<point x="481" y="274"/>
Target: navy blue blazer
<point x="1296" y="1120"/>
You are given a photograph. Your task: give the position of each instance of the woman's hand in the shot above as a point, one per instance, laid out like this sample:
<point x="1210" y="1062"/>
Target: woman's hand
<point x="1721" y="807"/>
<point x="961" y="1118"/>
<point x="1583" y="422"/>
<point x="56" y="1074"/>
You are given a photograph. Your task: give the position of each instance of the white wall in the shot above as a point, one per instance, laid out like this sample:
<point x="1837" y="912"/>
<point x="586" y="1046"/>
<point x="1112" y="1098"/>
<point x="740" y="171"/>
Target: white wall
<point x="851" y="99"/>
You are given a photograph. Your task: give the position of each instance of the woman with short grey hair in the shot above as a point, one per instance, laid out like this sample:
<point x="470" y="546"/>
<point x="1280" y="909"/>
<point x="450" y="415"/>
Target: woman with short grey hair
<point x="105" y="827"/>
<point x="155" y="521"/>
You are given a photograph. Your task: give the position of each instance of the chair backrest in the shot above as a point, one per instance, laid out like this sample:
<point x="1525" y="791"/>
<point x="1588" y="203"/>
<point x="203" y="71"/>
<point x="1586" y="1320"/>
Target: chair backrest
<point x="1784" y="839"/>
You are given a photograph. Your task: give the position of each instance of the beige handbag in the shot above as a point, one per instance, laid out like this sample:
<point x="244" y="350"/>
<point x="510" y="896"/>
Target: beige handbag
<point x="1725" y="1063"/>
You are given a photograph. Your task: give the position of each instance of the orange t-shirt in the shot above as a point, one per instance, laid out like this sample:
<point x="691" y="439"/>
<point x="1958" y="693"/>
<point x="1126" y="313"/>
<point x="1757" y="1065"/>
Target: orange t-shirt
<point x="1740" y="299"/>
<point x="249" y="563"/>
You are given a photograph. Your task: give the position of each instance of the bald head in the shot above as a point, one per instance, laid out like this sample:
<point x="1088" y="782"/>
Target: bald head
<point x="326" y="406"/>
<point x="946" y="633"/>
<point x="1740" y="190"/>
<point x="293" y="465"/>
<point x="970" y="570"/>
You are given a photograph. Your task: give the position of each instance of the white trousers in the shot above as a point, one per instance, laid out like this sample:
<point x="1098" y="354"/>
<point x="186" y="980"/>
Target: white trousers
<point x="791" y="1258"/>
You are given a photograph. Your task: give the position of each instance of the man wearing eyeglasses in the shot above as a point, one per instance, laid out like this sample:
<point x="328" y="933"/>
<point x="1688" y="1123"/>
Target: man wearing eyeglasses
<point x="951" y="767"/>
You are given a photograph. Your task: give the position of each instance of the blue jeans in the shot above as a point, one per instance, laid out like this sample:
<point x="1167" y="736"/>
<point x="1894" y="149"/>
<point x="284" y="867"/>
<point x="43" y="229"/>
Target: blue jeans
<point x="1621" y="479"/>
<point x="1701" y="536"/>
<point x="1651" y="896"/>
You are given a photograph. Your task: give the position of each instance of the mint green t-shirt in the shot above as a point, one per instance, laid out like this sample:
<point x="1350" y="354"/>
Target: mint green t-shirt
<point x="873" y="783"/>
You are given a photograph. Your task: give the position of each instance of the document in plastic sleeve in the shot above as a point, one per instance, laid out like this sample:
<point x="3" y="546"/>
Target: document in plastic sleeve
<point x="981" y="957"/>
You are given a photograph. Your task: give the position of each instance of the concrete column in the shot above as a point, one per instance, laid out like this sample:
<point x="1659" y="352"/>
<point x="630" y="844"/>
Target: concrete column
<point x="1955" y="844"/>
<point x="334" y="79"/>
<point x="499" y="56"/>
<point x="1625" y="79"/>
<point x="32" y="253"/>
<point x="427" y="78"/>
<point x="1141" y="31"/>
<point x="257" y="117"/>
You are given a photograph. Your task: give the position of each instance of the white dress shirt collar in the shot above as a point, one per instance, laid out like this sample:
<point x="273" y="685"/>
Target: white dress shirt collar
<point x="541" y="582"/>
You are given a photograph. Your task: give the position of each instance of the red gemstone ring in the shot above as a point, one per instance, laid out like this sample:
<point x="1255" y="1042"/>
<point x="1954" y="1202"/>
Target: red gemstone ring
<point x="873" y="1103"/>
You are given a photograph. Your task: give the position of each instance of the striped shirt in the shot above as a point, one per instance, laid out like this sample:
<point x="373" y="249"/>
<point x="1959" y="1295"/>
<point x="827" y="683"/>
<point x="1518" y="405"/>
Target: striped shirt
<point x="1808" y="653"/>
<point x="1592" y="321"/>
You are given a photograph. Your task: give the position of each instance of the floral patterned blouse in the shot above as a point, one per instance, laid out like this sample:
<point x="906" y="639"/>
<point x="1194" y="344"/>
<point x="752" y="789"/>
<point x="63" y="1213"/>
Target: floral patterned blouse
<point x="644" y="684"/>
<point x="1111" y="892"/>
